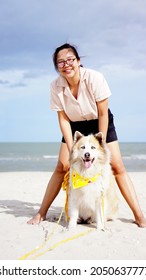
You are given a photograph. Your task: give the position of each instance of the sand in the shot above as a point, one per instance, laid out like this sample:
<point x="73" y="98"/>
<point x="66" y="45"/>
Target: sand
<point x="20" y="196"/>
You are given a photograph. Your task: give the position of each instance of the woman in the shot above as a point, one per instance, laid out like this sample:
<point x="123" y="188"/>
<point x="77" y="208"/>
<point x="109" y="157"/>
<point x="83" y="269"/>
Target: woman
<point x="80" y="97"/>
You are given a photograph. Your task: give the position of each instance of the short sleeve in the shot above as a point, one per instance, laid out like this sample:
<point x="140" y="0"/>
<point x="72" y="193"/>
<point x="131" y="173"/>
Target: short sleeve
<point x="100" y="87"/>
<point x="55" y="103"/>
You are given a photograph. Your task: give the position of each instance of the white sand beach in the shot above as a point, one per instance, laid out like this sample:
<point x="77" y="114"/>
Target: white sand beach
<point x="20" y="196"/>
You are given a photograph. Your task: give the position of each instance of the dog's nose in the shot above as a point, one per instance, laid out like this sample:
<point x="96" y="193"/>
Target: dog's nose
<point x="87" y="155"/>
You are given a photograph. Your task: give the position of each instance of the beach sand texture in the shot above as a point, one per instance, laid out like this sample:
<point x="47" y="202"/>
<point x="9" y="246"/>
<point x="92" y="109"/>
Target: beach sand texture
<point x="20" y="196"/>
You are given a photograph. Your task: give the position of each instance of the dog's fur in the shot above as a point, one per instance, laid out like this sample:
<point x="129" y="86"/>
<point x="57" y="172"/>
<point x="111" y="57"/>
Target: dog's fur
<point x="97" y="201"/>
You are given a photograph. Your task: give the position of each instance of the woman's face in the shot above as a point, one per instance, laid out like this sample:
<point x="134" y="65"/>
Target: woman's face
<point x="67" y="63"/>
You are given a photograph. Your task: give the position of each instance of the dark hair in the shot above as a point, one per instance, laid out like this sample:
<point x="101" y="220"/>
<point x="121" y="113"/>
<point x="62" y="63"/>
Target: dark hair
<point x="62" y="47"/>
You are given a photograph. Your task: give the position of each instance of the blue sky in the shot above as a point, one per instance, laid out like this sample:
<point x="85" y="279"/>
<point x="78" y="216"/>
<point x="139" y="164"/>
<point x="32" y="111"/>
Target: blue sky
<point x="110" y="36"/>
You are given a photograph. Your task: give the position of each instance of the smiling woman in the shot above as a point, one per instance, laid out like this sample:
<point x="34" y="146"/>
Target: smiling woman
<point x="80" y="97"/>
<point x="71" y="56"/>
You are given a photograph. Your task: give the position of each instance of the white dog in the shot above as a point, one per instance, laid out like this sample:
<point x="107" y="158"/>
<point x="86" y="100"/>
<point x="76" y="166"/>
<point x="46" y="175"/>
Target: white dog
<point x="92" y="196"/>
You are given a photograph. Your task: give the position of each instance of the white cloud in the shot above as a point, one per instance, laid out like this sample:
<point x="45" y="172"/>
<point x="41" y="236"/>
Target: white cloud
<point x="123" y="72"/>
<point x="110" y="35"/>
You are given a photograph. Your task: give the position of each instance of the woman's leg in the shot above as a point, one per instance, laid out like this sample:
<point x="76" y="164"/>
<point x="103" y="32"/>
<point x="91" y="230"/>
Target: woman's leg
<point x="125" y="184"/>
<point x="54" y="185"/>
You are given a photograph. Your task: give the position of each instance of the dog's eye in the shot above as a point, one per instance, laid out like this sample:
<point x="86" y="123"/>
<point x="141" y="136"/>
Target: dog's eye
<point x="92" y="147"/>
<point x="82" y="147"/>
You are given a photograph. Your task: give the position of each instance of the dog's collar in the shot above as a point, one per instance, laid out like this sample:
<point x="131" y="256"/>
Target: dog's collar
<point x="79" y="181"/>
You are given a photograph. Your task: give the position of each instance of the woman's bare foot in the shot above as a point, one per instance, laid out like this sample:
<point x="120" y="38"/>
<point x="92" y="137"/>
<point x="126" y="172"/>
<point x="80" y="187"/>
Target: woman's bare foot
<point x="36" y="219"/>
<point x="141" y="222"/>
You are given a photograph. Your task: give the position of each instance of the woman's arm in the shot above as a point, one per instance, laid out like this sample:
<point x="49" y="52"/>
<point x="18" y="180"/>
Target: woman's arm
<point x="102" y="107"/>
<point x="65" y="129"/>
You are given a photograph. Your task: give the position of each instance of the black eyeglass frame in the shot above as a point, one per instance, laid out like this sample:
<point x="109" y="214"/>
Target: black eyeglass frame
<point x="69" y="61"/>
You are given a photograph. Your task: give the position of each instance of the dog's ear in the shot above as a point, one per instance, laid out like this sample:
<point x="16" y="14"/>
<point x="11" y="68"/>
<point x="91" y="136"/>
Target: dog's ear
<point x="100" y="137"/>
<point x="77" y="136"/>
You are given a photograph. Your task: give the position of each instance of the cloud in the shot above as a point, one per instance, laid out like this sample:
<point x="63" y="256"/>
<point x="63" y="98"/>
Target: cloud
<point x="29" y="79"/>
<point x="103" y="30"/>
<point x="18" y="85"/>
<point x="110" y="36"/>
<point x="11" y="79"/>
<point x="4" y="82"/>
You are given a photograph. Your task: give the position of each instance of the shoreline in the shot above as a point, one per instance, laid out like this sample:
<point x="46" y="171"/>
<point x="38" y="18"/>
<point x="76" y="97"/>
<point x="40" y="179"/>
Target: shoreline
<point x="21" y="194"/>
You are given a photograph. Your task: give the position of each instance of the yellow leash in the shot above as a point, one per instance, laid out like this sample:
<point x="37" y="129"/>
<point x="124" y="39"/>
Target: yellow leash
<point x="34" y="251"/>
<point x="24" y="257"/>
<point x="62" y="242"/>
<point x="65" y="186"/>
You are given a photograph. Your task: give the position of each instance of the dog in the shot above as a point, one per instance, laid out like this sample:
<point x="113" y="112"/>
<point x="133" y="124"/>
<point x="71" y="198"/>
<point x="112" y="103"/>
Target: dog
<point x="91" y="196"/>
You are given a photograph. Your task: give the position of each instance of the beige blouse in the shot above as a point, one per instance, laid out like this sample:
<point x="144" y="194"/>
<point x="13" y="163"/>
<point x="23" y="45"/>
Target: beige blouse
<point x="92" y="88"/>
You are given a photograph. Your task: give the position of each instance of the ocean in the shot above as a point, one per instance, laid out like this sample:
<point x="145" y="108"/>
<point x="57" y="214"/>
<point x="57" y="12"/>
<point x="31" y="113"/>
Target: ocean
<point x="43" y="156"/>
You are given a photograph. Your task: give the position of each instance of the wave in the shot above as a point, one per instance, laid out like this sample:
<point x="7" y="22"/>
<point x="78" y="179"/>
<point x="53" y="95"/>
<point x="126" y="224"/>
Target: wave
<point x="28" y="158"/>
<point x="15" y="158"/>
<point x="37" y="158"/>
<point x="50" y="156"/>
<point x="139" y="157"/>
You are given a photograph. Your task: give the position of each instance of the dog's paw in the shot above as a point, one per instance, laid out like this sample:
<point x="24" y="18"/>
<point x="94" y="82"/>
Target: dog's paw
<point x="72" y="225"/>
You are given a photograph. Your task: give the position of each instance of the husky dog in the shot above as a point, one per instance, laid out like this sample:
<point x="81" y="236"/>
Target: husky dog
<point x="92" y="196"/>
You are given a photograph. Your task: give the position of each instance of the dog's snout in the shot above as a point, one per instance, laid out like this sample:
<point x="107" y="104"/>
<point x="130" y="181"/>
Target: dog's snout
<point x="87" y="155"/>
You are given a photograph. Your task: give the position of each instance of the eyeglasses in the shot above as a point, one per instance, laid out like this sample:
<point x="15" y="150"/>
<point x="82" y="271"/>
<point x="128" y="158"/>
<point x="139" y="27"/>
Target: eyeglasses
<point x="69" y="62"/>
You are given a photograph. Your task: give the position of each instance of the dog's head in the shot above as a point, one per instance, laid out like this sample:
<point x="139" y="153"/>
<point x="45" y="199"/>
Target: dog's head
<point x="89" y="150"/>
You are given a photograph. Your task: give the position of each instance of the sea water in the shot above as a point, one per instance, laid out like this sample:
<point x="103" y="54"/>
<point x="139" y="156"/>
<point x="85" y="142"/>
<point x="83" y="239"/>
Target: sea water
<point x="44" y="156"/>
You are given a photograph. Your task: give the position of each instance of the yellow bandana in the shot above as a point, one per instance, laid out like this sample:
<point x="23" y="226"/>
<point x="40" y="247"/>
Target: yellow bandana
<point x="79" y="181"/>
